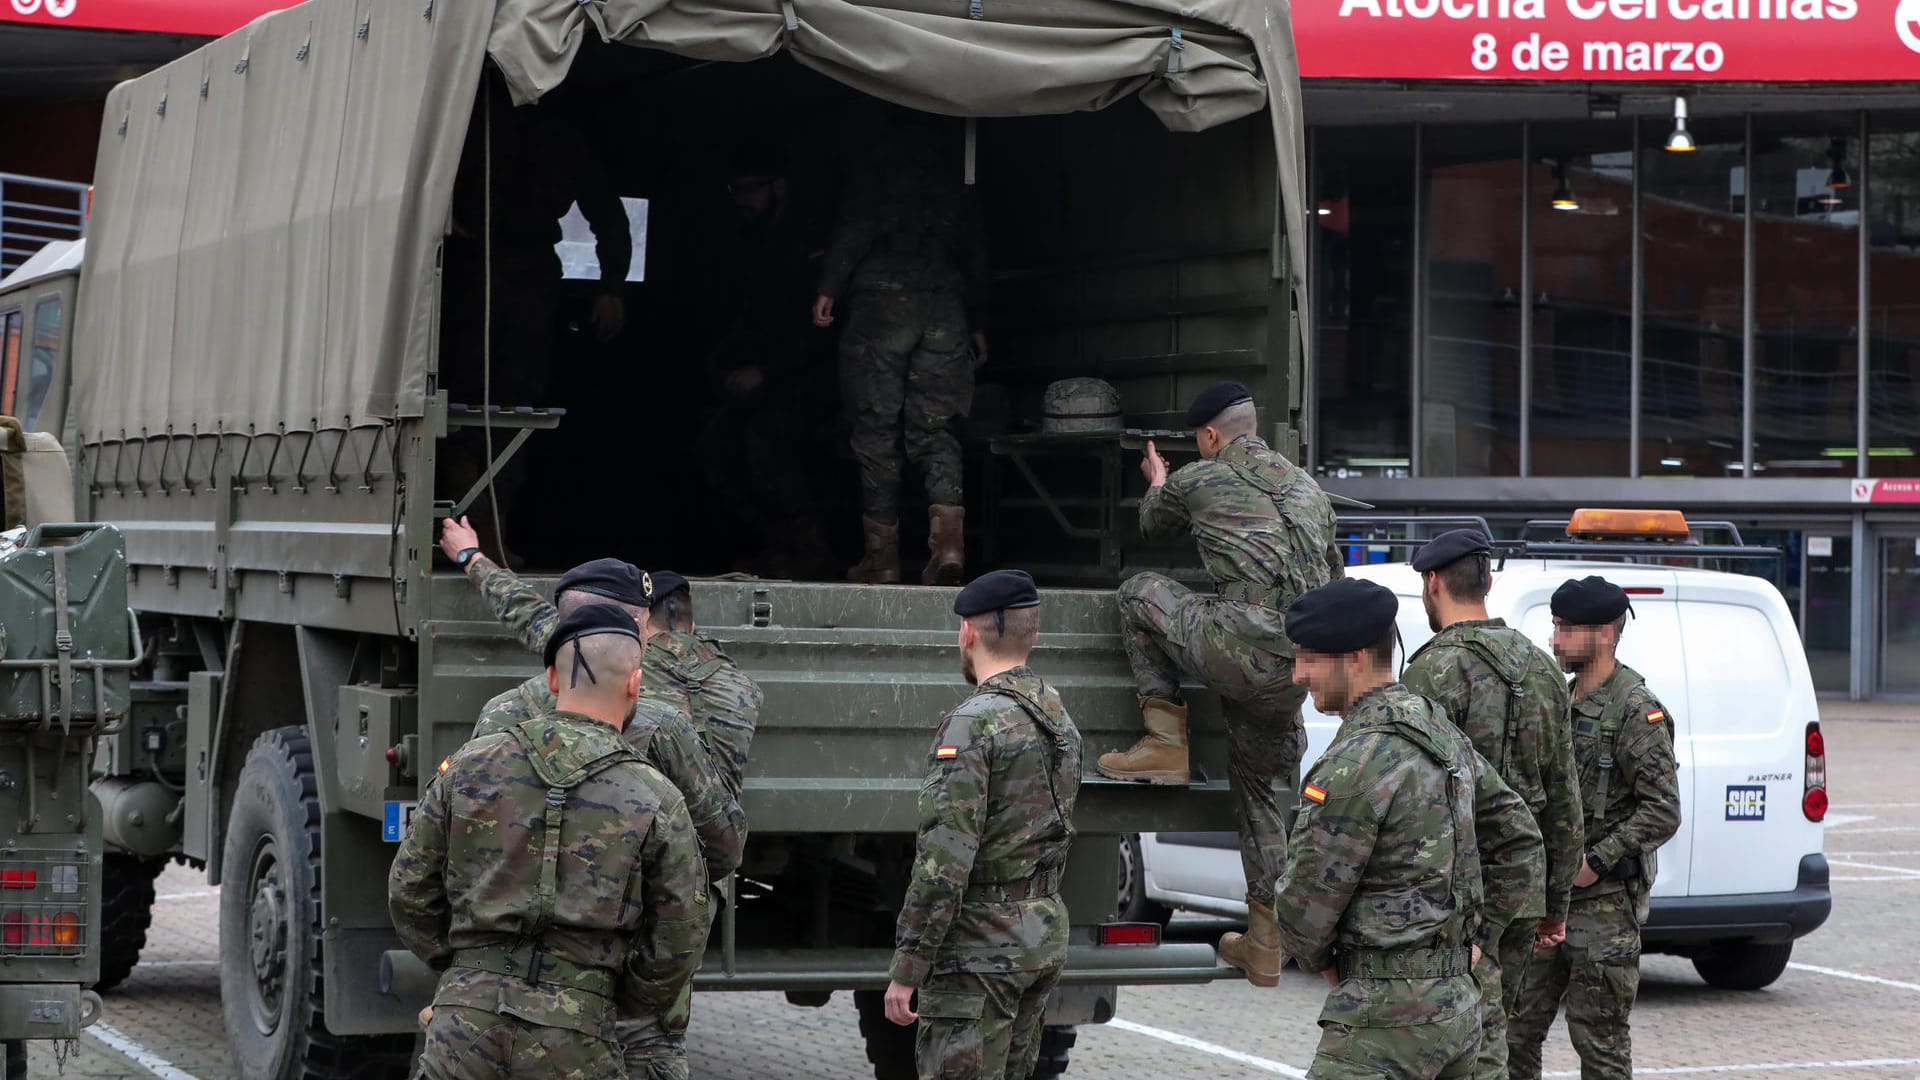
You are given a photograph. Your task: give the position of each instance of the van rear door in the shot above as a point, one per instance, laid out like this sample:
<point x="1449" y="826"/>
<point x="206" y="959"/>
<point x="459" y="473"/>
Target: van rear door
<point x="1652" y="645"/>
<point x="1751" y="698"/>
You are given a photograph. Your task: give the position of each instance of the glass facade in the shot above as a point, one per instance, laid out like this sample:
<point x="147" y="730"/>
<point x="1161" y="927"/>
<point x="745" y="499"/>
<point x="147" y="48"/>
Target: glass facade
<point x="1494" y="272"/>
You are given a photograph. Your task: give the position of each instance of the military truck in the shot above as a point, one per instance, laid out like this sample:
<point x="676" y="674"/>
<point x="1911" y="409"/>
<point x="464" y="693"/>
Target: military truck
<point x="260" y="376"/>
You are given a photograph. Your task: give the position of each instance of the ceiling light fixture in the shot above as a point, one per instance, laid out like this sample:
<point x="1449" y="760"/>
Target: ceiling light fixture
<point x="1563" y="198"/>
<point x="1837" y="178"/>
<point x="1681" y="141"/>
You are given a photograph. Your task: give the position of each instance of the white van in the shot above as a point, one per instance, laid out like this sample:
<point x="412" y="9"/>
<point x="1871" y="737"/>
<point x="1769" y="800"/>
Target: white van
<point x="1745" y="875"/>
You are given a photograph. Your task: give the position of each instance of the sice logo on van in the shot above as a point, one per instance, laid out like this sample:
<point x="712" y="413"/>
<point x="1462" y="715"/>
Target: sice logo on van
<point x="1746" y="802"/>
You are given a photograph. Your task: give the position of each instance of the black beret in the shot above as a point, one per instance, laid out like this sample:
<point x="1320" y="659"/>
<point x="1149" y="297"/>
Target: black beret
<point x="1215" y="400"/>
<point x="997" y="591"/>
<point x="666" y="582"/>
<point x="586" y="622"/>
<point x="1344" y="615"/>
<point x="1448" y="548"/>
<point x="1589" y="601"/>
<point x="618" y="581"/>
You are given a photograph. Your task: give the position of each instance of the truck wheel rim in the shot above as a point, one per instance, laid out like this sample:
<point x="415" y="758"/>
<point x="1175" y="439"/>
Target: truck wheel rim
<point x="267" y="937"/>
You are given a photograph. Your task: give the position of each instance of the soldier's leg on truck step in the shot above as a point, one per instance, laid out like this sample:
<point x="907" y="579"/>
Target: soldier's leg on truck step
<point x="1265" y="741"/>
<point x="966" y="1025"/>
<point x="939" y="391"/>
<point x="1159" y="619"/>
<point x="1442" y="1048"/>
<point x="1604" y="939"/>
<point x="1536" y="990"/>
<point x="880" y="337"/>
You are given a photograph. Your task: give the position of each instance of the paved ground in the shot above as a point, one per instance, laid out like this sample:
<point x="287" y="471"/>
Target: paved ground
<point x="1844" y="1009"/>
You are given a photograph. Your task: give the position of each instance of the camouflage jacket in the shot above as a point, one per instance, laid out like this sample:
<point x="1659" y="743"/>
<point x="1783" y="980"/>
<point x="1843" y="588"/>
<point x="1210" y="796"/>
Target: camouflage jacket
<point x="629" y="896"/>
<point x="1472" y="669"/>
<point x="1640" y="809"/>
<point x="996" y="810"/>
<point x="689" y="672"/>
<point x="1260" y="521"/>
<point x="665" y="739"/>
<point x="907" y="223"/>
<point x="1390" y="852"/>
<point x="669" y="742"/>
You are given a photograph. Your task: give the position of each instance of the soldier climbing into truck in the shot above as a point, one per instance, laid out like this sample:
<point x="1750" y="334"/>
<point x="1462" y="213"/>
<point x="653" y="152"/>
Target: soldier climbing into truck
<point x="262" y="389"/>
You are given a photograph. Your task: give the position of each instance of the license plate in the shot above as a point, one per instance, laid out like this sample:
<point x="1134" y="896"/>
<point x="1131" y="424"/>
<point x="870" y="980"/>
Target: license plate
<point x="1746" y="802"/>
<point x="399" y="816"/>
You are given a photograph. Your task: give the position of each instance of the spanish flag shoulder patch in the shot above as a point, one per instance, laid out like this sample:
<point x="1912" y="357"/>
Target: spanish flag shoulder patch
<point x="1656" y="715"/>
<point x="1317" y="794"/>
<point x="446" y="761"/>
<point x="946" y="753"/>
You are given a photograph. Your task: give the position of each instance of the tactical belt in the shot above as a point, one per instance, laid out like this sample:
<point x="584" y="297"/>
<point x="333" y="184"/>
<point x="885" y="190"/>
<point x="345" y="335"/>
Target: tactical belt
<point x="1246" y="592"/>
<point x="537" y="967"/>
<point x="1404" y="963"/>
<point x="1045" y="883"/>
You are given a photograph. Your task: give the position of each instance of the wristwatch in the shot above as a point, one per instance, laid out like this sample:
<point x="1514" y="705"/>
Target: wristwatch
<point x="1594" y="864"/>
<point x="466" y="556"/>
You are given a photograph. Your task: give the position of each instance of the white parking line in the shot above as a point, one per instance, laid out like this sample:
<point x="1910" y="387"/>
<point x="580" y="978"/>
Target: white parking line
<point x="144" y="964"/>
<point x="1877" y="866"/>
<point x="195" y="895"/>
<point x="1856" y="976"/>
<point x="1776" y="1066"/>
<point x="1869" y="854"/>
<point x="1844" y="831"/>
<point x="1877" y="806"/>
<point x="1875" y="877"/>
<point x="1177" y="1039"/>
<point x="138" y="1054"/>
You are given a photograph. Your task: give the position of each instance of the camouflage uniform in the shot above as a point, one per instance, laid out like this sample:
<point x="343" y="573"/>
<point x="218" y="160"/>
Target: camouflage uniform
<point x="689" y="672"/>
<point x="1631" y="809"/>
<point x="907" y="258"/>
<point x="666" y="738"/>
<point x="1265" y="532"/>
<point x="1395" y="870"/>
<point x="983" y="931"/>
<point x="539" y="913"/>
<point x="1510" y="699"/>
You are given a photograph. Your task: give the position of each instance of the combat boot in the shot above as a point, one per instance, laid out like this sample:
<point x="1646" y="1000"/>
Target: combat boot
<point x="881" y="564"/>
<point x="1256" y="952"/>
<point x="1160" y="757"/>
<point x="946" y="539"/>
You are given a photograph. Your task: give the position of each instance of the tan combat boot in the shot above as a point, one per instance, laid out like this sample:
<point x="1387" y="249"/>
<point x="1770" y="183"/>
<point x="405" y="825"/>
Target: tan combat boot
<point x="1160" y="757"/>
<point x="1256" y="952"/>
<point x="881" y="564"/>
<point x="946" y="530"/>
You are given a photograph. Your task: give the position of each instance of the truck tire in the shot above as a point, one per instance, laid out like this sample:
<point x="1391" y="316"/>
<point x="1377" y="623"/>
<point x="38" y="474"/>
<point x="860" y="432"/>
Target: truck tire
<point x="1055" y="1045"/>
<point x="270" y="928"/>
<point x="126" y="910"/>
<point x="889" y="1046"/>
<point x="1742" y="965"/>
<point x="1133" y="904"/>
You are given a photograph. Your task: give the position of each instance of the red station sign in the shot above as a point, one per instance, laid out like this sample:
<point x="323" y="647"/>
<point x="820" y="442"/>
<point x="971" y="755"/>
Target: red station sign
<point x="1610" y="40"/>
<point x="196" y="18"/>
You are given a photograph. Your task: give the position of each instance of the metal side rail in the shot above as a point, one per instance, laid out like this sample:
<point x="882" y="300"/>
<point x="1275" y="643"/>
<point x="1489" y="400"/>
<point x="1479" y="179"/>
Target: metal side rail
<point x="866" y="969"/>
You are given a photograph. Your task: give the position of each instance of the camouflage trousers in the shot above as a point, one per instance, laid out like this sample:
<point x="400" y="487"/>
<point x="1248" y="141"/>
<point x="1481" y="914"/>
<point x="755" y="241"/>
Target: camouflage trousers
<point x="1597" y="972"/>
<point x="1172" y="633"/>
<point x="475" y="1044"/>
<point x="1511" y="952"/>
<point x="906" y="372"/>
<point x="976" y="1026"/>
<point x="655" y="1047"/>
<point x="1443" y="1048"/>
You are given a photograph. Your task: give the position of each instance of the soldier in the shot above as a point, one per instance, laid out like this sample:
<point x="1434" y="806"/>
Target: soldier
<point x="1508" y="697"/>
<point x="1630" y="792"/>
<point x="1406" y="848"/>
<point x="687" y="669"/>
<point x="907" y="254"/>
<point x="983" y="932"/>
<point x="548" y="871"/>
<point x="1265" y="533"/>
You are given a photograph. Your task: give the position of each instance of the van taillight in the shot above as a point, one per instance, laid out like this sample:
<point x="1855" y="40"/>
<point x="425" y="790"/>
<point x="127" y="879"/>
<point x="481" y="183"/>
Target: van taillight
<point x="1814" y="802"/>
